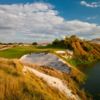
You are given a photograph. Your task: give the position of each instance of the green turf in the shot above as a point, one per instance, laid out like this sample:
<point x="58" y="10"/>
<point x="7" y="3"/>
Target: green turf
<point x="17" y="52"/>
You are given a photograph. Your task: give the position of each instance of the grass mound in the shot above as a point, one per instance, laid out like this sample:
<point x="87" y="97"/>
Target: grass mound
<point x="14" y="85"/>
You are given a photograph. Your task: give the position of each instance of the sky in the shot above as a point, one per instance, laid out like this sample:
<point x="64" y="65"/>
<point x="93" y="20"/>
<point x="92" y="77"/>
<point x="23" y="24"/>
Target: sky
<point x="44" y="20"/>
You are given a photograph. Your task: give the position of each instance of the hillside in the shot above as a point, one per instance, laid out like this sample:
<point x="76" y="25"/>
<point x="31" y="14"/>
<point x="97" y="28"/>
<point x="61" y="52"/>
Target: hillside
<point x="31" y="82"/>
<point x="84" y="52"/>
<point x="97" y="40"/>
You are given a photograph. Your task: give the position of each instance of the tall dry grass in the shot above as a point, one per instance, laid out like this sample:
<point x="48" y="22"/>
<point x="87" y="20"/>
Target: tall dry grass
<point x="14" y="85"/>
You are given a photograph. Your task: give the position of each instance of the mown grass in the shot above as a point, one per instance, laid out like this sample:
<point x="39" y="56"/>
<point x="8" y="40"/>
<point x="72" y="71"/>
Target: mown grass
<point x="51" y="47"/>
<point x="18" y="51"/>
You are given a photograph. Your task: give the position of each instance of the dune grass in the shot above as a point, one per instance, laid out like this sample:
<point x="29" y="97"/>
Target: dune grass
<point x="72" y="80"/>
<point x="14" y="85"/>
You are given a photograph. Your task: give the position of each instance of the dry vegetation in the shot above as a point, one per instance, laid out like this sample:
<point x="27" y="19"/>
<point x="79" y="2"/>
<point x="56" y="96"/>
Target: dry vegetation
<point x="77" y="47"/>
<point x="14" y="85"/>
<point x="84" y="52"/>
<point x="72" y="80"/>
<point x="88" y="49"/>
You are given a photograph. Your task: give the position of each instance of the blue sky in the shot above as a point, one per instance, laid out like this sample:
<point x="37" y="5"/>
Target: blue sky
<point x="69" y="9"/>
<point x="77" y="13"/>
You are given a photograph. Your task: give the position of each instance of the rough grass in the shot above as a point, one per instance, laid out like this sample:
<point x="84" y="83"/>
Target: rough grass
<point x="14" y="85"/>
<point x="72" y="80"/>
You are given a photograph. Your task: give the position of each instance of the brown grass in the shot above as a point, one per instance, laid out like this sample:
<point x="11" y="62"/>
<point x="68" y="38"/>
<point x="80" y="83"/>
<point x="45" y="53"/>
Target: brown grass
<point x="72" y="80"/>
<point x="14" y="85"/>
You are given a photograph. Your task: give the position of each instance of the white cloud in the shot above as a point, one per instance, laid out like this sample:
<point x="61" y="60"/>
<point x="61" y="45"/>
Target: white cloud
<point x="92" y="4"/>
<point x="38" y="22"/>
<point x="91" y="17"/>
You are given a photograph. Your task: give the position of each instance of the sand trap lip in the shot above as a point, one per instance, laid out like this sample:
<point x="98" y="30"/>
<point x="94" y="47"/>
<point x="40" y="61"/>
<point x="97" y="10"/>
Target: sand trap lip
<point x="46" y="59"/>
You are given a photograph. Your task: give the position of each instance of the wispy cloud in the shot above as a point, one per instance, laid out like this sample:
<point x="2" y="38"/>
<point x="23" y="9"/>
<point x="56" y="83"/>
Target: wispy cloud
<point x="92" y="4"/>
<point x="91" y="17"/>
<point x="39" y="22"/>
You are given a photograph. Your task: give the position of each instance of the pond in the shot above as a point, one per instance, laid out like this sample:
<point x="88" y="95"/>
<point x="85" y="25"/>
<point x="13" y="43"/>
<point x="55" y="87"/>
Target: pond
<point x="92" y="84"/>
<point x="46" y="59"/>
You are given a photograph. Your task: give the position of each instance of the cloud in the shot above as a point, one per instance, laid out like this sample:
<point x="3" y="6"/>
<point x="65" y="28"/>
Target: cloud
<point x="39" y="22"/>
<point x="92" y="4"/>
<point x="91" y="17"/>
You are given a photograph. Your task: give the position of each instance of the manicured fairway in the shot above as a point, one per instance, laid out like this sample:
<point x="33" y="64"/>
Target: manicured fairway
<point x="17" y="52"/>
